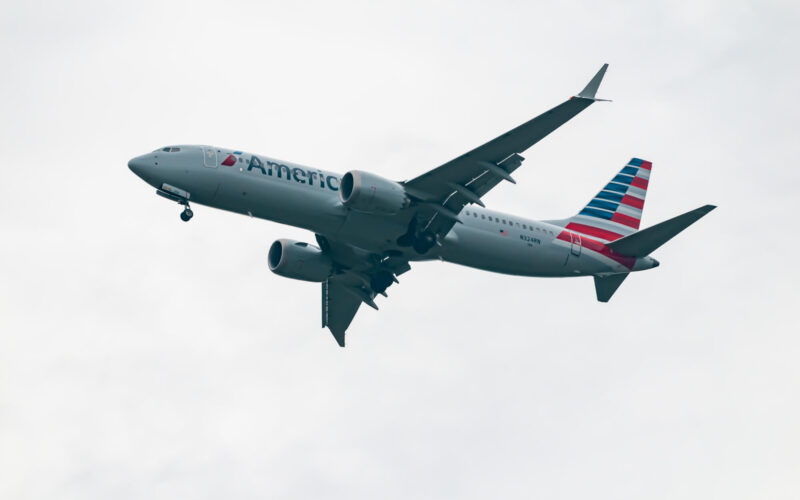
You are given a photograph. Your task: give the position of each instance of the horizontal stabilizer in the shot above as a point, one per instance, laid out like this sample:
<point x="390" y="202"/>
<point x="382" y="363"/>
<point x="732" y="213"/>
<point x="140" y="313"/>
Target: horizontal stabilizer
<point x="605" y="287"/>
<point x="643" y="243"/>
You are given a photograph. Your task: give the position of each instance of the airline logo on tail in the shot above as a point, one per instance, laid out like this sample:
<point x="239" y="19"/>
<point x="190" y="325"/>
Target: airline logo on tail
<point x="616" y="211"/>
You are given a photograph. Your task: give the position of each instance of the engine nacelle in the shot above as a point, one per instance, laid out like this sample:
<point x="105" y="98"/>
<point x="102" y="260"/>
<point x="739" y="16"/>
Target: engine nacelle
<point x="366" y="192"/>
<point x="299" y="260"/>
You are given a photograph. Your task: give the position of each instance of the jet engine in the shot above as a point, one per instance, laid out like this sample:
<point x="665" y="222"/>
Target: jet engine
<point x="299" y="260"/>
<point x="366" y="192"/>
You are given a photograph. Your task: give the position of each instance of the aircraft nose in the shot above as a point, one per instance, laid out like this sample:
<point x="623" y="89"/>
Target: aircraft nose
<point x="142" y="166"/>
<point x="136" y="165"/>
<point x="655" y="262"/>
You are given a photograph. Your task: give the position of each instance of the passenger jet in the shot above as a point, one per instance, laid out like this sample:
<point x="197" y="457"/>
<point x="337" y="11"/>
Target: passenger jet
<point x="369" y="229"/>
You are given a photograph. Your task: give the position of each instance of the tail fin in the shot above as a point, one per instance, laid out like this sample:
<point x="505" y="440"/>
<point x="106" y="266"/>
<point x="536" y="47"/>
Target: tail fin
<point x="616" y="210"/>
<point x="644" y="242"/>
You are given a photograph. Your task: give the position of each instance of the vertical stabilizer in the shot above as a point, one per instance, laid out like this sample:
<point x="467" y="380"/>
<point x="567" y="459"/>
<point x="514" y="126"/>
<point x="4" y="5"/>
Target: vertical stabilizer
<point x="616" y="211"/>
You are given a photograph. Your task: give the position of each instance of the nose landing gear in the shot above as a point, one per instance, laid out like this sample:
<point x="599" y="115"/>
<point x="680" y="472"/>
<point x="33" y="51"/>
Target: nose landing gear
<point x="180" y="200"/>
<point x="187" y="210"/>
<point x="186" y="214"/>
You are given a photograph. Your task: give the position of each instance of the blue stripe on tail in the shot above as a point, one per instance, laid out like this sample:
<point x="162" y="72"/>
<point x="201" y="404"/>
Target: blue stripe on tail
<point x="622" y="179"/>
<point x="593" y="212"/>
<point x="608" y="205"/>
<point x="604" y="213"/>
<point x="616" y="187"/>
<point x="608" y="195"/>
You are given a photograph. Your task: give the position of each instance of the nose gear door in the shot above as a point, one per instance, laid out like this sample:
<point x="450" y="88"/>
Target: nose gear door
<point x="210" y="158"/>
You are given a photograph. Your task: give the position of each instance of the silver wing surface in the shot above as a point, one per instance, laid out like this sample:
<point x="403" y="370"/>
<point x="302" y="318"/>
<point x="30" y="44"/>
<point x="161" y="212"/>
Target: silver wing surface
<point x="445" y="190"/>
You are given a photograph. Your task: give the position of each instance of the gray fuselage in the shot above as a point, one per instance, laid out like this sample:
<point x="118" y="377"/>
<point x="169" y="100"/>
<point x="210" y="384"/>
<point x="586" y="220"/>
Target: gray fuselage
<point x="308" y="198"/>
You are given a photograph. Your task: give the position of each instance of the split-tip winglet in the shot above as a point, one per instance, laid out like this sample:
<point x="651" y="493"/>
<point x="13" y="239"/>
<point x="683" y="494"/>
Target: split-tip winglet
<point x="590" y="90"/>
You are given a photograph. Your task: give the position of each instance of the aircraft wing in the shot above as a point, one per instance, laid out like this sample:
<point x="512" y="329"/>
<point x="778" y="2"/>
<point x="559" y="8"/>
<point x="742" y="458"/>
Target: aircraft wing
<point x="339" y="307"/>
<point x="439" y="195"/>
<point x="445" y="190"/>
<point x="359" y="278"/>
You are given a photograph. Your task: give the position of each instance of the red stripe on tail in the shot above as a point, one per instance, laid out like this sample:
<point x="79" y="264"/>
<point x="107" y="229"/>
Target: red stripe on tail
<point x="633" y="201"/>
<point x="594" y="231"/>
<point x="625" y="220"/>
<point x="639" y="183"/>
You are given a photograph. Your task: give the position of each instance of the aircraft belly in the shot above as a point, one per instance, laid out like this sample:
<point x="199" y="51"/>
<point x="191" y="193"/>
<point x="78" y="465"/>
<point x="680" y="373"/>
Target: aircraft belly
<point x="280" y="201"/>
<point x="508" y="254"/>
<point x="371" y="232"/>
<point x="484" y="250"/>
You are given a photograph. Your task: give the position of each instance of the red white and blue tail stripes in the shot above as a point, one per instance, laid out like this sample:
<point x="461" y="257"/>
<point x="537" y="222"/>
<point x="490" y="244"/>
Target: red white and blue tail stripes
<point x="616" y="211"/>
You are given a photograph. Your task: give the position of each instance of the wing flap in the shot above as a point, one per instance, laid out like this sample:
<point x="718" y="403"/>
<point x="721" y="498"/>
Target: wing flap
<point x="339" y="307"/>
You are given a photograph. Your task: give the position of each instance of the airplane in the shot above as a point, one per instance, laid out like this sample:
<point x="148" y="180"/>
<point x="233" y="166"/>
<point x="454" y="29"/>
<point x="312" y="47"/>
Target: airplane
<point x="368" y="229"/>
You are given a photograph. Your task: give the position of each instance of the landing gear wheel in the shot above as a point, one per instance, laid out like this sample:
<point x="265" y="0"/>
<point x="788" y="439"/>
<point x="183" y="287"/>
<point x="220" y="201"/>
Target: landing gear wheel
<point x="424" y="243"/>
<point x="186" y="215"/>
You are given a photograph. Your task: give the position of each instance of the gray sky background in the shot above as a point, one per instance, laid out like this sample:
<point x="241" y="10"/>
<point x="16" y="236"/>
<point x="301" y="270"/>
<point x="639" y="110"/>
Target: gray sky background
<point x="141" y="357"/>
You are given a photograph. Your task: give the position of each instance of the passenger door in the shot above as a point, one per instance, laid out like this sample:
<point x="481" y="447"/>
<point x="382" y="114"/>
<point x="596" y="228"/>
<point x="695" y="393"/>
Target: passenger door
<point x="210" y="157"/>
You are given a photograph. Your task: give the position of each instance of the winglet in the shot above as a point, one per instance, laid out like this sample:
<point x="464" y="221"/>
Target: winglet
<point x="591" y="88"/>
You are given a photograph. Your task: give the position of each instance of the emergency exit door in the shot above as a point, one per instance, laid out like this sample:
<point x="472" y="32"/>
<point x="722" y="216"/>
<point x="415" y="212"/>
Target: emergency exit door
<point x="575" y="245"/>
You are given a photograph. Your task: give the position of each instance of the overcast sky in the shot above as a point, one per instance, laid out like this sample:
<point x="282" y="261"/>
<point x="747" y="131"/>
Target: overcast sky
<point x="146" y="358"/>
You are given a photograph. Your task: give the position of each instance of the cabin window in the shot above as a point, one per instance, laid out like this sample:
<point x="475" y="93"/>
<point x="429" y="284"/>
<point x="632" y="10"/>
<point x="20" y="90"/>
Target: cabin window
<point x="490" y="218"/>
<point x="483" y="216"/>
<point x="504" y="221"/>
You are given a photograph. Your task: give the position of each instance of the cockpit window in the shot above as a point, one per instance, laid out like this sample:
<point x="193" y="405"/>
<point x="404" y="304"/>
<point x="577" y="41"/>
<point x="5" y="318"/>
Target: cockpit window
<point x="170" y="150"/>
